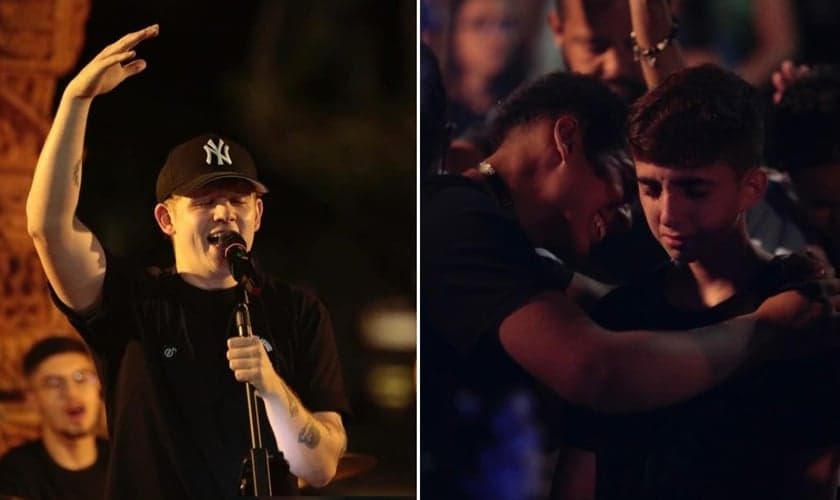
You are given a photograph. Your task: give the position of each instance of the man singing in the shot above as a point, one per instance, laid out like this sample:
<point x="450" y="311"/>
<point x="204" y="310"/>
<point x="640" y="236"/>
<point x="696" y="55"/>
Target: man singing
<point x="171" y="371"/>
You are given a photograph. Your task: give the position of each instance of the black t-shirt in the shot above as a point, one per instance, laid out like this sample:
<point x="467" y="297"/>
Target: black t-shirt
<point x="734" y="441"/>
<point x="28" y="472"/>
<point x="177" y="416"/>
<point x="477" y="267"/>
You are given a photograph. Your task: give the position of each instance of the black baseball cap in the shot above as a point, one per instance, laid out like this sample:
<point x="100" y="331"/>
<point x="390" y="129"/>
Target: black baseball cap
<point x="204" y="159"/>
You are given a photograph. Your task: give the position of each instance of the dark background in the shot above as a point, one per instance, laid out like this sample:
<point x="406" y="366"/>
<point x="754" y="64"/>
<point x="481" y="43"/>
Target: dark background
<point x="323" y="95"/>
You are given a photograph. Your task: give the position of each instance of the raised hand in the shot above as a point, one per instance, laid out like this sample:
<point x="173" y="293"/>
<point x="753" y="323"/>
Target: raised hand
<point x="786" y="76"/>
<point x="111" y="66"/>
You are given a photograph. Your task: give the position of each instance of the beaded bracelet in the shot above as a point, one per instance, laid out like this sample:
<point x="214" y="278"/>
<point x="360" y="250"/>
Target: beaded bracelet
<point x="651" y="53"/>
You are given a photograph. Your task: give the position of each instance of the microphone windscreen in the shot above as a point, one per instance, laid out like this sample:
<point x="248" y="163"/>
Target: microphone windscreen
<point x="231" y="242"/>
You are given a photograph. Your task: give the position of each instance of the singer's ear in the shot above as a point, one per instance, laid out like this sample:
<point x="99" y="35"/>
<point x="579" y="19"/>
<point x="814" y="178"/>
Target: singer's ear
<point x="163" y="216"/>
<point x="259" y="205"/>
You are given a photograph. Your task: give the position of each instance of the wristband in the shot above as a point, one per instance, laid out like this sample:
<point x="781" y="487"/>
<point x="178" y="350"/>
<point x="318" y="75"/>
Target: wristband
<point x="649" y="54"/>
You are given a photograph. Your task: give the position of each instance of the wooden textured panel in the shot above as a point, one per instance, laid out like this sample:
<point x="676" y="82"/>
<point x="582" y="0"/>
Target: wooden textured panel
<point x="40" y="40"/>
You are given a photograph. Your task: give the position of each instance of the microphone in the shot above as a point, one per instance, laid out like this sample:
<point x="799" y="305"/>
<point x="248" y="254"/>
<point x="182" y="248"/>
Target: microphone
<point x="239" y="262"/>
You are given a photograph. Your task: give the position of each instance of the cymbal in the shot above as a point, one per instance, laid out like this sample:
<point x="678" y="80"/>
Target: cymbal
<point x="350" y="465"/>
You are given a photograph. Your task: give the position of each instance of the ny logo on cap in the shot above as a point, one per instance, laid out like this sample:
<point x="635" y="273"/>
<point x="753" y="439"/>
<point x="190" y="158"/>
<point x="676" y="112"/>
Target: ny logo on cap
<point x="221" y="152"/>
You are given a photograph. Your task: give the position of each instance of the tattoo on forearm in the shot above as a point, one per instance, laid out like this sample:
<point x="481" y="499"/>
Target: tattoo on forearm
<point x="77" y="172"/>
<point x="294" y="408"/>
<point x="309" y="435"/>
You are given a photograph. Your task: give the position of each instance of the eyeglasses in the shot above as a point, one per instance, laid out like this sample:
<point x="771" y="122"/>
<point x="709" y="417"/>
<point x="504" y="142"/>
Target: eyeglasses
<point x="83" y="379"/>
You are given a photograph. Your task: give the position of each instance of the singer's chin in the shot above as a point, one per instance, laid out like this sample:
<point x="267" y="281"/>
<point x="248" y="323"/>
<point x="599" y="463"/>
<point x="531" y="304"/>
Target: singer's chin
<point x="215" y="254"/>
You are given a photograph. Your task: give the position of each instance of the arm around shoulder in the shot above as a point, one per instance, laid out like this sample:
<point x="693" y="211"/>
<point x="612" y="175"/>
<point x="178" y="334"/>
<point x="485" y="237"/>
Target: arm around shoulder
<point x="620" y="372"/>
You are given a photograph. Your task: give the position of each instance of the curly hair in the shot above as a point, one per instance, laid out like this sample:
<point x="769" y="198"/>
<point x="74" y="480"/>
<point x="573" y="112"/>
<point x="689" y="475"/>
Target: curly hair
<point x="600" y="113"/>
<point x="806" y="131"/>
<point x="697" y="117"/>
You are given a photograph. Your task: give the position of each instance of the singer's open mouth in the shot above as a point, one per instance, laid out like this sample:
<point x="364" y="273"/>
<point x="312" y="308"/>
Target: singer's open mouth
<point x="215" y="237"/>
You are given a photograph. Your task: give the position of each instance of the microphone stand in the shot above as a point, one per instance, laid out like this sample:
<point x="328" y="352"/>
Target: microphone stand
<point x="256" y="477"/>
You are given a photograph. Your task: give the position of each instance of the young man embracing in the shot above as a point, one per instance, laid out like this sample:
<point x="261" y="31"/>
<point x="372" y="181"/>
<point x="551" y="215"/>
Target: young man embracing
<point x="770" y="433"/>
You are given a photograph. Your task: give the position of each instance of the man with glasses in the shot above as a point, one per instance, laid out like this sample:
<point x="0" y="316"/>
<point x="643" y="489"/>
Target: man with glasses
<point x="69" y="461"/>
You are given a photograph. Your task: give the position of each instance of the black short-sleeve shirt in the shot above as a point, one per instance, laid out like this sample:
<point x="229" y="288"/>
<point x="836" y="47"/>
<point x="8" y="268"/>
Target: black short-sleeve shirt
<point x="477" y="267"/>
<point x="29" y="472"/>
<point x="733" y="440"/>
<point x="176" y="415"/>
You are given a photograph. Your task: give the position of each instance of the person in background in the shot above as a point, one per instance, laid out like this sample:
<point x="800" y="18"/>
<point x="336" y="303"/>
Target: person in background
<point x="479" y="66"/>
<point x="69" y="460"/>
<point x="750" y="37"/>
<point x="805" y="133"/>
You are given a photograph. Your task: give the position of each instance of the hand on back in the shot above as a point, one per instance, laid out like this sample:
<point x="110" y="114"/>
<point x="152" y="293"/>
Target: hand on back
<point x="806" y="314"/>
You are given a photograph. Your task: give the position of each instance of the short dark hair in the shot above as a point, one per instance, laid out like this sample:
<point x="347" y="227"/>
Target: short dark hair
<point x="806" y="131"/>
<point x="600" y="113"/>
<point x="48" y="347"/>
<point x="697" y="117"/>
